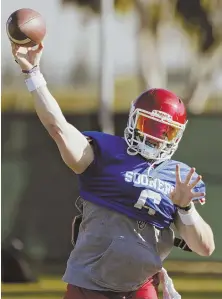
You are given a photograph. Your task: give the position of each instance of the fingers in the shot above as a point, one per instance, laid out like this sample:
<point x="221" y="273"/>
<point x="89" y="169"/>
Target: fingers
<point x="195" y="182"/>
<point x="201" y="200"/>
<point x="189" y="176"/>
<point x="198" y="195"/>
<point x="178" y="178"/>
<point x="15" y="48"/>
<point x="39" y="48"/>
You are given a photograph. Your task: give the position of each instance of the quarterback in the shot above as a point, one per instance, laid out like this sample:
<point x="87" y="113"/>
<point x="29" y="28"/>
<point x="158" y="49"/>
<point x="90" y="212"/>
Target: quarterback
<point x="124" y="181"/>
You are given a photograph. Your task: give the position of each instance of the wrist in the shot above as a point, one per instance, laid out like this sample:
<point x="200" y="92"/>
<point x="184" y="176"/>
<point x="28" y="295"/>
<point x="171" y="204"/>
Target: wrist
<point x="33" y="71"/>
<point x="34" y="79"/>
<point x="185" y="208"/>
<point x="188" y="217"/>
<point x="30" y="70"/>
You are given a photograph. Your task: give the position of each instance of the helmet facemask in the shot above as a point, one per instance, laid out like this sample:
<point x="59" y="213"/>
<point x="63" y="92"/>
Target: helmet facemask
<point x="153" y="135"/>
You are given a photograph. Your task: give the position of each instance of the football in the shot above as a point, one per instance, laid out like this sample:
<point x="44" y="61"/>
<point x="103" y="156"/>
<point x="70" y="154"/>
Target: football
<point x="26" y="27"/>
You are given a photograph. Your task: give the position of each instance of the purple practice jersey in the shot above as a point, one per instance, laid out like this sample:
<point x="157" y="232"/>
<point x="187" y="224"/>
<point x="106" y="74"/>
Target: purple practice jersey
<point x="129" y="184"/>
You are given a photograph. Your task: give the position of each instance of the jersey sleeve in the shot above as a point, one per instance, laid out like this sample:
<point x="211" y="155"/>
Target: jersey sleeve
<point x="200" y="188"/>
<point x="102" y="145"/>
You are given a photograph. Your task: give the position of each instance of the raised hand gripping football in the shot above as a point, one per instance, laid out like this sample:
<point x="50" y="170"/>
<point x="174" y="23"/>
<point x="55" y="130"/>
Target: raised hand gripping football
<point x="183" y="194"/>
<point x="27" y="58"/>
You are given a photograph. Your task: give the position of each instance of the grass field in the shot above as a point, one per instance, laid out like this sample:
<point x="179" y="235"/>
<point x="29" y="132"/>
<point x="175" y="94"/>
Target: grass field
<point x="53" y="288"/>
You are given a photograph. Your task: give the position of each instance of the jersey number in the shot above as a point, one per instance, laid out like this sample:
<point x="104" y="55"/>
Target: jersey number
<point x="141" y="202"/>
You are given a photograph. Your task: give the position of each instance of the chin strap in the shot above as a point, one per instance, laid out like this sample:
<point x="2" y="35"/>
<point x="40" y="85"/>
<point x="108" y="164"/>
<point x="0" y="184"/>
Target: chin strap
<point x="131" y="151"/>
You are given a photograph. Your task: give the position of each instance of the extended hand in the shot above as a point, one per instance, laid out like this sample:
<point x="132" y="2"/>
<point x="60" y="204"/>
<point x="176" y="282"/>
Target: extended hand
<point x="182" y="194"/>
<point x="27" y="58"/>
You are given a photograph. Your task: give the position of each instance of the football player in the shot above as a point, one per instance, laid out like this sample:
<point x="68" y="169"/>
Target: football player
<point x="124" y="181"/>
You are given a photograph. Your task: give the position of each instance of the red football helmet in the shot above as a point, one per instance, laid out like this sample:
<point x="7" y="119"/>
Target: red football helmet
<point x="156" y="124"/>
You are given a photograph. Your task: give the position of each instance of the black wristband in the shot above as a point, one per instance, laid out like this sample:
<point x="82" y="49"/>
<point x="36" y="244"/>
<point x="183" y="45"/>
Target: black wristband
<point x="187" y="208"/>
<point x="31" y="70"/>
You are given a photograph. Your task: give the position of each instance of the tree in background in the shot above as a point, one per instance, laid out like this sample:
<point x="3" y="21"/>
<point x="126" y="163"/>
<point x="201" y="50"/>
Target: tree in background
<point x="95" y="5"/>
<point x="150" y="13"/>
<point x="152" y="16"/>
<point x="105" y="10"/>
<point x="202" y="20"/>
<point x="199" y="20"/>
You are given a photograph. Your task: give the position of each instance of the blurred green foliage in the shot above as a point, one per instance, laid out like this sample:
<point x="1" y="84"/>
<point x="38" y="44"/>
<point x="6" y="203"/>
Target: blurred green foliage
<point x="95" y="6"/>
